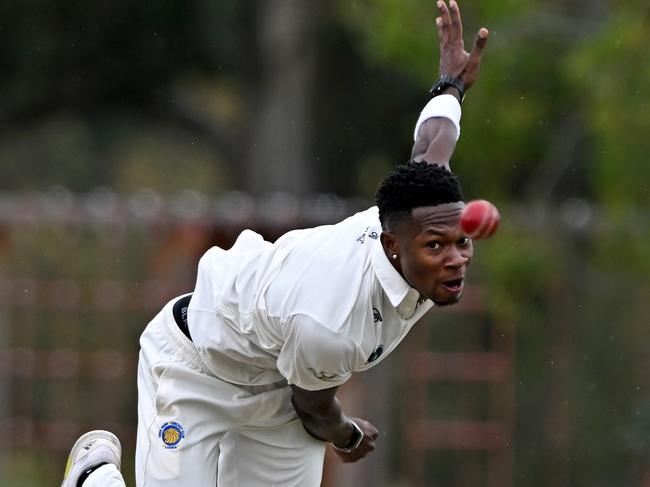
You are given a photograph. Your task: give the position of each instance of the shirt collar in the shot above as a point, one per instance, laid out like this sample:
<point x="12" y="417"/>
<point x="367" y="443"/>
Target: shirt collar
<point x="401" y="295"/>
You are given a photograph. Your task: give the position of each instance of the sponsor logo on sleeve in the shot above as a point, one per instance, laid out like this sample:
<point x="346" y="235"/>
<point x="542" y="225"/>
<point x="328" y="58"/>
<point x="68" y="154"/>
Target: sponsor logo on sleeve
<point x="326" y="376"/>
<point x="376" y="315"/>
<point x="367" y="233"/>
<point x="376" y="354"/>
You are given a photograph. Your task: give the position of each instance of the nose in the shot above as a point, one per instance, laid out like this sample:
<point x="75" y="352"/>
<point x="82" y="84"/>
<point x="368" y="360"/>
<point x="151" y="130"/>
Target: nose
<point x="456" y="258"/>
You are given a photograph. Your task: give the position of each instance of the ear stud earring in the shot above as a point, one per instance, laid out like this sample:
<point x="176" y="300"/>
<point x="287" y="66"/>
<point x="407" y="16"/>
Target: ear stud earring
<point x="394" y="256"/>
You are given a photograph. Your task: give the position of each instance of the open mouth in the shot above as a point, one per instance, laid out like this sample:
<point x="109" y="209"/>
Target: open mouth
<point x="453" y="285"/>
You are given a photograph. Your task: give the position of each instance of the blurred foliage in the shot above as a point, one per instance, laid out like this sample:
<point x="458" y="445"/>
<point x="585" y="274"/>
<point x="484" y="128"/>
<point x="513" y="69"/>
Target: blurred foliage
<point x="163" y="95"/>
<point x="612" y="73"/>
<point x="85" y="83"/>
<point x="559" y="112"/>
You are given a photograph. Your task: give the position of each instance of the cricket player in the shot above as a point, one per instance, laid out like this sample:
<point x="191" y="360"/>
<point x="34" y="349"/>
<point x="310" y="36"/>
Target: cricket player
<point x="237" y="381"/>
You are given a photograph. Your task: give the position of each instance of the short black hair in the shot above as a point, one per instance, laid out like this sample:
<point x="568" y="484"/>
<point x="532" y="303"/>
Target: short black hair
<point x="413" y="185"/>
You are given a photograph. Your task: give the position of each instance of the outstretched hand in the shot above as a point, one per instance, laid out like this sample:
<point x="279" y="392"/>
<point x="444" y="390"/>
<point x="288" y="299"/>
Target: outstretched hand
<point x="454" y="59"/>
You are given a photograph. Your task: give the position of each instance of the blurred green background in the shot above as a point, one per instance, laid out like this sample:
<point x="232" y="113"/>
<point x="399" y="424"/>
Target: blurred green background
<point x="136" y="134"/>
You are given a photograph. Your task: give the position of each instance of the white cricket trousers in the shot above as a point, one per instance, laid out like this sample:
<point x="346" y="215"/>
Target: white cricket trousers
<point x="196" y="430"/>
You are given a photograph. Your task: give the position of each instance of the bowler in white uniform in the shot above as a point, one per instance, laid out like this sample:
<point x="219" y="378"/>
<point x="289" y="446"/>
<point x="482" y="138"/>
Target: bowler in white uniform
<point x="237" y="381"/>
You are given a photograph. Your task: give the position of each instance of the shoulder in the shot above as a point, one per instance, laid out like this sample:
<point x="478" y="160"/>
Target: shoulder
<point x="315" y="337"/>
<point x="325" y="274"/>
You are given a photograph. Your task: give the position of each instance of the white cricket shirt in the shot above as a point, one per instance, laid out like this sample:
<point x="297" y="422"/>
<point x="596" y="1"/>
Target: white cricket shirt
<point x="311" y="308"/>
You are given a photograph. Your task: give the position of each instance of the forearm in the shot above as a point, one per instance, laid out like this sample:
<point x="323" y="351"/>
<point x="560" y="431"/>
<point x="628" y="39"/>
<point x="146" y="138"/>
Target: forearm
<point x="437" y="130"/>
<point x="325" y="421"/>
<point x="436" y="142"/>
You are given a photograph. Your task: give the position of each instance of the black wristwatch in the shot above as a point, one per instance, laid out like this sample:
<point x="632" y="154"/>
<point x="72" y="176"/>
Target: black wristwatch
<point x="445" y="81"/>
<point x="355" y="440"/>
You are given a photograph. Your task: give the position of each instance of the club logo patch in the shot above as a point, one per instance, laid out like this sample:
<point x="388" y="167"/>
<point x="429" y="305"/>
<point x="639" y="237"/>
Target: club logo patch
<point x="171" y="434"/>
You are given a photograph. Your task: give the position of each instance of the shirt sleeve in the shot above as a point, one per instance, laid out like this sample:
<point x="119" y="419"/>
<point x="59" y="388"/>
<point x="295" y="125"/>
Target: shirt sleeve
<point x="314" y="357"/>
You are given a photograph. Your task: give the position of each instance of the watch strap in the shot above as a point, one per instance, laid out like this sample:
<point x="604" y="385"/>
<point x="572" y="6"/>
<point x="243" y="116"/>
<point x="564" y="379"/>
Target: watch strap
<point x="445" y="81"/>
<point x="355" y="439"/>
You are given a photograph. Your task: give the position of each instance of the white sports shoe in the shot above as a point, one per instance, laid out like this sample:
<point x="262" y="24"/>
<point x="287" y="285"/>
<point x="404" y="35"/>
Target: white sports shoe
<point x="90" y="450"/>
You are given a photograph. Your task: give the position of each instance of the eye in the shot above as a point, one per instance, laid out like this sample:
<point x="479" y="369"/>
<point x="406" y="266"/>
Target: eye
<point x="463" y="241"/>
<point x="434" y="244"/>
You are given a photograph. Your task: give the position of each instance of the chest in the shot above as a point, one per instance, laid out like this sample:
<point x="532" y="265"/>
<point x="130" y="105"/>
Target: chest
<point x="383" y="330"/>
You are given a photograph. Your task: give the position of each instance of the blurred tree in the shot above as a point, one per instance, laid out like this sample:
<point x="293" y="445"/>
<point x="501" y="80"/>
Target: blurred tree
<point x="558" y="121"/>
<point x="91" y="66"/>
<point x="530" y="143"/>
<point x="231" y="85"/>
<point x="279" y="134"/>
<point x="612" y="73"/>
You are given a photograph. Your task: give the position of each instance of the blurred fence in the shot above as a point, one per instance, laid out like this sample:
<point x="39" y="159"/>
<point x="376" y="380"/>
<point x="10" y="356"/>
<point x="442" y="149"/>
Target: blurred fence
<point x="81" y="275"/>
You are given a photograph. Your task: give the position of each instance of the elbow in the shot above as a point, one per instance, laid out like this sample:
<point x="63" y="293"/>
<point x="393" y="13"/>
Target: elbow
<point x="316" y="409"/>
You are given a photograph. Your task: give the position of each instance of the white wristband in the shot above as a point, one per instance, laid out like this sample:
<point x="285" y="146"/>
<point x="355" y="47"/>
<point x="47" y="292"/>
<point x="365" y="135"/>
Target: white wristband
<point x="445" y="106"/>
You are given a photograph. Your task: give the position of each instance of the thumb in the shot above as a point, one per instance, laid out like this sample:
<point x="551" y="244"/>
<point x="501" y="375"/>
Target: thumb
<point x="470" y="72"/>
<point x="479" y="43"/>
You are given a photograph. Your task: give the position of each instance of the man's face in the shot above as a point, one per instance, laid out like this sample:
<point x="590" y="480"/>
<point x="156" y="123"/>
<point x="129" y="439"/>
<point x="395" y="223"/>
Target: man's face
<point x="433" y="251"/>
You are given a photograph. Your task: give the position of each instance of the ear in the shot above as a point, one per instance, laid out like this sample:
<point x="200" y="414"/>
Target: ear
<point x="389" y="242"/>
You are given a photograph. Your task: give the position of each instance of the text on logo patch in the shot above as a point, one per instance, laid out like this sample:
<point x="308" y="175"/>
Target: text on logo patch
<point x="171" y="433"/>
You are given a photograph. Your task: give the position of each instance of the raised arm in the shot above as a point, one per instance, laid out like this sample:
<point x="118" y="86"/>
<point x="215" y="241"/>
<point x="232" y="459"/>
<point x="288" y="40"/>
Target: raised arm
<point x="436" y="136"/>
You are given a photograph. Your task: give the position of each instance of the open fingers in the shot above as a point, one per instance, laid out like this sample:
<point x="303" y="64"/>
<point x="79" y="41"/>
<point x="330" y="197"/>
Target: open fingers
<point x="439" y="27"/>
<point x="456" y="23"/>
<point x="445" y="16"/>
<point x="449" y="24"/>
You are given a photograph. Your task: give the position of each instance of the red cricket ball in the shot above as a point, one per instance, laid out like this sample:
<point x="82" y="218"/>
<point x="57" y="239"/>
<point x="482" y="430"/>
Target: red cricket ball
<point x="480" y="219"/>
